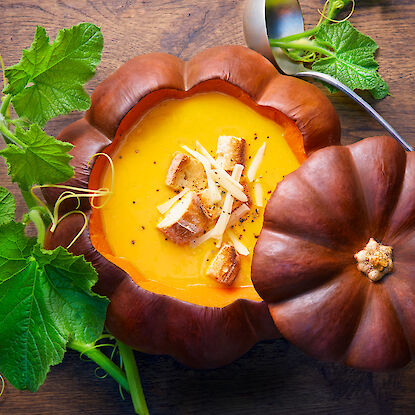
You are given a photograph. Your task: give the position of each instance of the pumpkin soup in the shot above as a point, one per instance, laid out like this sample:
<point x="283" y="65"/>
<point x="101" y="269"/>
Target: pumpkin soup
<point x="141" y="161"/>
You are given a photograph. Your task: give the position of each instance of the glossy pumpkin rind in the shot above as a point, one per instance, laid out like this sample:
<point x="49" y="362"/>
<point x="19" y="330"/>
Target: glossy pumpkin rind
<point x="302" y="102"/>
<point x="303" y="264"/>
<point x="87" y="141"/>
<point x="201" y="337"/>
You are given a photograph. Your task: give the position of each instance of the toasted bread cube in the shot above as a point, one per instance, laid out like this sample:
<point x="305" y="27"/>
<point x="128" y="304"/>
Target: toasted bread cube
<point x="212" y="209"/>
<point x="186" y="171"/>
<point x="230" y="151"/>
<point x="225" y="266"/>
<point x="185" y="221"/>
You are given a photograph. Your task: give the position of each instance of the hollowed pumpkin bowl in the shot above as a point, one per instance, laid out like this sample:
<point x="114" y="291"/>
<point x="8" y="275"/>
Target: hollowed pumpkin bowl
<point x="199" y="336"/>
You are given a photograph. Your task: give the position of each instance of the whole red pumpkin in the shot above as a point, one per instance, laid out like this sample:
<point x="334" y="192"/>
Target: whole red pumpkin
<point x="304" y="265"/>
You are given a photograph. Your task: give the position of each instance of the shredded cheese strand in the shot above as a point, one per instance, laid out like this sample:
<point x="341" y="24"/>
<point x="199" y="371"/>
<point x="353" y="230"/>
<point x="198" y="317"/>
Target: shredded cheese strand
<point x="239" y="246"/>
<point x="227" y="178"/>
<point x="220" y="227"/>
<point x="258" y="195"/>
<point x="214" y="193"/>
<point x="238" y="213"/>
<point x="222" y="223"/>
<point x="205" y="237"/>
<point x="228" y="203"/>
<point x="229" y="187"/>
<point x="253" y="168"/>
<point x="220" y="175"/>
<point x="164" y="207"/>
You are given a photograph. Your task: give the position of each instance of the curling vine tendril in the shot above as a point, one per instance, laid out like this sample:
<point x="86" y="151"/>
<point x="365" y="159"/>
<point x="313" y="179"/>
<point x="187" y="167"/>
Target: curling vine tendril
<point x="70" y="194"/>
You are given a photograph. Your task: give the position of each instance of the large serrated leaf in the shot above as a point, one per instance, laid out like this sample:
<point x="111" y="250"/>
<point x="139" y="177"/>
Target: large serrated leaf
<point x="352" y="60"/>
<point x="45" y="300"/>
<point x="41" y="160"/>
<point x="58" y="72"/>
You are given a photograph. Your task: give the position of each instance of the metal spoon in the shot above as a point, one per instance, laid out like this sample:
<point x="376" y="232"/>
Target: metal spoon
<point x="285" y="18"/>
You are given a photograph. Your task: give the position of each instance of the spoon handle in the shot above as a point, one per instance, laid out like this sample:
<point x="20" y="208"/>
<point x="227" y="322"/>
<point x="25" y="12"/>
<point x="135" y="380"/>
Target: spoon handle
<point x="332" y="81"/>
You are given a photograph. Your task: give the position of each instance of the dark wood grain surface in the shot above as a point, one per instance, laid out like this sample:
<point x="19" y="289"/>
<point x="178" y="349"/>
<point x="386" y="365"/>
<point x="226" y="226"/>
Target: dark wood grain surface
<point x="274" y="377"/>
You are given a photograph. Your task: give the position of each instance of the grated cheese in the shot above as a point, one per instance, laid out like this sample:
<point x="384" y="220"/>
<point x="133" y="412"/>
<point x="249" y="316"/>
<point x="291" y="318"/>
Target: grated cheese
<point x="238" y="213"/>
<point x="214" y="193"/>
<point x="220" y="227"/>
<point x="164" y="207"/>
<point x="222" y="173"/>
<point x="225" y="215"/>
<point x="253" y="168"/>
<point x="228" y="186"/>
<point x="258" y="195"/>
<point x="199" y="241"/>
<point x="239" y="246"/>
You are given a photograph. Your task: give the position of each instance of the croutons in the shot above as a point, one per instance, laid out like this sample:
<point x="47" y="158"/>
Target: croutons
<point x="186" y="171"/>
<point x="185" y="221"/>
<point x="212" y="209"/>
<point x="230" y="151"/>
<point x="225" y="266"/>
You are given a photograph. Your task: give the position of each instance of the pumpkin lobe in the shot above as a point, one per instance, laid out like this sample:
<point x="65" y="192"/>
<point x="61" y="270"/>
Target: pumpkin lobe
<point x="375" y="260"/>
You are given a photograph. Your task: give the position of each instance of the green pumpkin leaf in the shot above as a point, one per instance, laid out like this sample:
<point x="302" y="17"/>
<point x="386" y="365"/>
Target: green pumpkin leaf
<point x="352" y="59"/>
<point x="45" y="301"/>
<point x="40" y="160"/>
<point x="56" y="71"/>
<point x="7" y="206"/>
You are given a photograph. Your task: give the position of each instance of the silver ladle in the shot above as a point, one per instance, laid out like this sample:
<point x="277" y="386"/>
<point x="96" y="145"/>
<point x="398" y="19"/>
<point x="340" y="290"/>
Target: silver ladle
<point x="285" y="18"/>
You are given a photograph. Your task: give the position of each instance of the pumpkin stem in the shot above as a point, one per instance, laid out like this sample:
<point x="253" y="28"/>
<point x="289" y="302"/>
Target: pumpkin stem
<point x="375" y="260"/>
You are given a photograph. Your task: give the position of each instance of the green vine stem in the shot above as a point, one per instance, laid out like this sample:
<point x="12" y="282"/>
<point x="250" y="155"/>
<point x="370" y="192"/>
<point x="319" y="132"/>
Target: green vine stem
<point x="36" y="217"/>
<point x="28" y="198"/>
<point x="303" y="44"/>
<point x="136" y="390"/>
<point x="10" y="138"/>
<point x="334" y="7"/>
<point x="102" y="361"/>
<point x="5" y="105"/>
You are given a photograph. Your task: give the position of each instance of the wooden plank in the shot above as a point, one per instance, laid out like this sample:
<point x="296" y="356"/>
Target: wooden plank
<point x="273" y="377"/>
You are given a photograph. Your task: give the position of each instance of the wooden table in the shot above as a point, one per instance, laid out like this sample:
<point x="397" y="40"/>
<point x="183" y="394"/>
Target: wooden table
<point x="273" y="377"/>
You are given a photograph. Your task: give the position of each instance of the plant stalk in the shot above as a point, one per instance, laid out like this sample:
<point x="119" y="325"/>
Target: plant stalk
<point x="5" y="105"/>
<point x="136" y="390"/>
<point x="306" y="45"/>
<point x="28" y="198"/>
<point x="36" y="217"/>
<point x="297" y="36"/>
<point x="102" y="361"/>
<point x="9" y="137"/>
<point x="331" y="14"/>
<point x="5" y="132"/>
<point x="334" y="8"/>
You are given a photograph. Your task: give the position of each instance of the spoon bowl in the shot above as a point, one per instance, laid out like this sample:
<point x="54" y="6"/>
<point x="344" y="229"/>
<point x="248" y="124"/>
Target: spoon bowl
<point x="265" y="20"/>
<point x="275" y="19"/>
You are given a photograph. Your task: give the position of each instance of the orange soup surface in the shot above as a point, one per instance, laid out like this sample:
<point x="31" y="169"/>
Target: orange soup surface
<point x="141" y="161"/>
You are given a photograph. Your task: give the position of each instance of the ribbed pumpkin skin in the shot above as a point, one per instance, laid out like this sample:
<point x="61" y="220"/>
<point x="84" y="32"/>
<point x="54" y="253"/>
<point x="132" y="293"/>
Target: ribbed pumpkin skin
<point x="304" y="266"/>
<point x="200" y="337"/>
